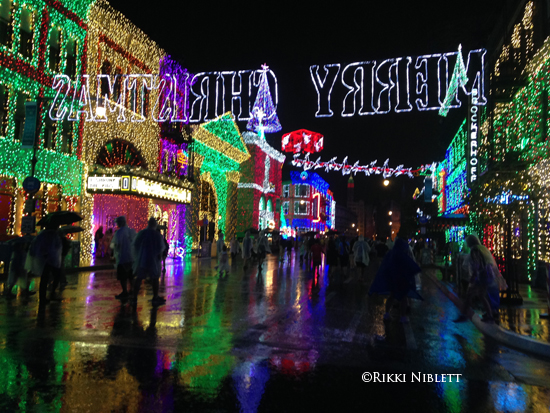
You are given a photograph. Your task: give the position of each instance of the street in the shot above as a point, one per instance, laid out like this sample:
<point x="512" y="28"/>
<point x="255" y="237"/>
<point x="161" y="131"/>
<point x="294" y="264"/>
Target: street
<point x="280" y="341"/>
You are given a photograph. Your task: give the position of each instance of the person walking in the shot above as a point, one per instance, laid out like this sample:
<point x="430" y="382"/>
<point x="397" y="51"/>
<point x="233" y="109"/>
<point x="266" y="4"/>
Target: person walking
<point x="45" y="255"/>
<point x="247" y="249"/>
<point x="263" y="249"/>
<point x="98" y="236"/>
<point x="361" y="252"/>
<point x="344" y="256"/>
<point x="148" y="249"/>
<point x="332" y="256"/>
<point x="317" y="252"/>
<point x="224" y="262"/>
<point x="219" y="248"/>
<point x="485" y="281"/>
<point x="124" y="259"/>
<point x="234" y="248"/>
<point x="396" y="277"/>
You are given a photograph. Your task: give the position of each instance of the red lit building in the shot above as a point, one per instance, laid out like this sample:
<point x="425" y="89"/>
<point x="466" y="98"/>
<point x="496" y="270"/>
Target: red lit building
<point x="259" y="188"/>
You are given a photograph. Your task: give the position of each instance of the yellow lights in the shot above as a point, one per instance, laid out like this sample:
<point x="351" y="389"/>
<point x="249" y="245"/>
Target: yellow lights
<point x="353" y="225"/>
<point x="390" y="212"/>
<point x="113" y="38"/>
<point x="391" y="223"/>
<point x="386" y="182"/>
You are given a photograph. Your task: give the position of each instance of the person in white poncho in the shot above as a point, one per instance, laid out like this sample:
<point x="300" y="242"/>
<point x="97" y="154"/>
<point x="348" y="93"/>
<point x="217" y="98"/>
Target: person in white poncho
<point x="361" y="253"/>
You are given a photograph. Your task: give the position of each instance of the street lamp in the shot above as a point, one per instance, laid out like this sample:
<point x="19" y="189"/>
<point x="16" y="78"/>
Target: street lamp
<point x="391" y="223"/>
<point x="390" y="212"/>
<point x="353" y="225"/>
<point x="386" y="182"/>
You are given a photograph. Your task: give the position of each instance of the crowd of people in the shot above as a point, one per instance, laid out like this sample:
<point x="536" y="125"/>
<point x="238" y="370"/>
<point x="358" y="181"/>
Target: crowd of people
<point x="142" y="256"/>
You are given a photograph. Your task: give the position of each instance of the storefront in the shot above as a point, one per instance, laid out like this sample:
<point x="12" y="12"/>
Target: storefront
<point x="139" y="194"/>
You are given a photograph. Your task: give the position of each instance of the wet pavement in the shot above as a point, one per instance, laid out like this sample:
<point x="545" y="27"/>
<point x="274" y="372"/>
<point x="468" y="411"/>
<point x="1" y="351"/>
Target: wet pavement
<point x="529" y="319"/>
<point x="279" y="341"/>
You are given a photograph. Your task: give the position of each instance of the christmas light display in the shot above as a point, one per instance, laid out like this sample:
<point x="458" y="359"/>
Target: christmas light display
<point x="378" y="87"/>
<point x="26" y="72"/>
<point x="260" y="179"/>
<point x="264" y="112"/>
<point x="215" y="93"/>
<point x="311" y="179"/>
<point x="458" y="79"/>
<point x="115" y="43"/>
<point x="219" y="149"/>
<point x="347" y="169"/>
<point x="302" y="140"/>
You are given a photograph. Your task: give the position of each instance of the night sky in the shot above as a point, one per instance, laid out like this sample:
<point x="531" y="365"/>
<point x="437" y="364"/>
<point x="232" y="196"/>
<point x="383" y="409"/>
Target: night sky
<point x="214" y="36"/>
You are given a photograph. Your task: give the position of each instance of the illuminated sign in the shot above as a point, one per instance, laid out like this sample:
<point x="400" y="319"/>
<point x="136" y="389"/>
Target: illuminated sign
<point x="134" y="185"/>
<point x="473" y="138"/>
<point x="104" y="182"/>
<point x="399" y="84"/>
<point x="211" y="95"/>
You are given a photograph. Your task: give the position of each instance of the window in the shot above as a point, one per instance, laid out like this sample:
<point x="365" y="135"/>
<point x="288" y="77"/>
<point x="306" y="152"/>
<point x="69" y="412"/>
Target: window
<point x="67" y="137"/>
<point x="20" y="115"/>
<point x="26" y="36"/>
<point x="301" y="208"/>
<point x="55" y="49"/>
<point x="4" y="96"/>
<point x="301" y="191"/>
<point x="269" y="206"/>
<point x="6" y="25"/>
<point x="49" y="133"/>
<point x="285" y="207"/>
<point x="72" y="51"/>
<point x="261" y="206"/>
<point x="286" y="191"/>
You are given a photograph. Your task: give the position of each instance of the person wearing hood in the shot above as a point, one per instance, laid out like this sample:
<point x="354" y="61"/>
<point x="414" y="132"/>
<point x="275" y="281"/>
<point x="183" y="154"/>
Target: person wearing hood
<point x="121" y="245"/>
<point x="219" y="248"/>
<point x="45" y="259"/>
<point x="263" y="249"/>
<point x="396" y="277"/>
<point x="247" y="249"/>
<point x="148" y="249"/>
<point x="361" y="252"/>
<point x="485" y="281"/>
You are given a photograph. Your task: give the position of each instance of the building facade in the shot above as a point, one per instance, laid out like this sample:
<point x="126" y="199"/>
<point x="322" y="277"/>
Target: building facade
<point x="260" y="186"/>
<point x="307" y="203"/>
<point x="39" y="40"/>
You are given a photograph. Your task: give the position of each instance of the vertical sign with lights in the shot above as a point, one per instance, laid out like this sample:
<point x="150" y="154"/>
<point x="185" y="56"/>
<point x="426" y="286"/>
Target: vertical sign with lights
<point x="472" y="169"/>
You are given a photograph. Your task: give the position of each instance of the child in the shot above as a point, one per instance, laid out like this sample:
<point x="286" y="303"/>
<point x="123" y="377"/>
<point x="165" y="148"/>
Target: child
<point x="224" y="262"/>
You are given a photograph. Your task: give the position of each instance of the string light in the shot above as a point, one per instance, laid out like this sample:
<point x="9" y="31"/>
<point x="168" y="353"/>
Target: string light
<point x="371" y="85"/>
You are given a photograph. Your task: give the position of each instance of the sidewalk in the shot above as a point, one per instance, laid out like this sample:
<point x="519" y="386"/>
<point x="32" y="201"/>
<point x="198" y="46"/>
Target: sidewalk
<point x="521" y="327"/>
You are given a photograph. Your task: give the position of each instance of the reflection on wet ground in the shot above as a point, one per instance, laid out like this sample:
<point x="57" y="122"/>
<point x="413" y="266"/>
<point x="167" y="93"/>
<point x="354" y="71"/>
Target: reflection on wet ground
<point x="279" y="340"/>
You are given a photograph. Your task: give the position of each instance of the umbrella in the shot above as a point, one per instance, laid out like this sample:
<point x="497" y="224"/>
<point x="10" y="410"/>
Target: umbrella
<point x="307" y="234"/>
<point x="332" y="232"/>
<point x="70" y="229"/>
<point x="302" y="140"/>
<point x="60" y="218"/>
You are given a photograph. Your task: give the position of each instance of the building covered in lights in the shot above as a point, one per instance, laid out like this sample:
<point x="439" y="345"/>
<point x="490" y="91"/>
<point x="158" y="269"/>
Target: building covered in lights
<point x="307" y="204"/>
<point x="259" y="188"/>
<point x="219" y="151"/>
<point x="505" y="199"/>
<point x="39" y="40"/>
<point x="130" y="167"/>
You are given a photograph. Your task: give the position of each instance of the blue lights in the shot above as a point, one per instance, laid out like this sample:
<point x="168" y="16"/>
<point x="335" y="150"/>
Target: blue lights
<point x="312" y="179"/>
<point x="506" y="198"/>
